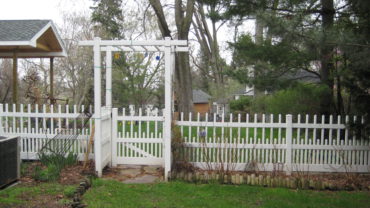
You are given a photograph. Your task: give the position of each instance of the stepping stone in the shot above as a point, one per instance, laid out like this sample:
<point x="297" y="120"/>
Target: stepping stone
<point x="129" y="166"/>
<point x="142" y="179"/>
<point x="130" y="172"/>
<point x="152" y="169"/>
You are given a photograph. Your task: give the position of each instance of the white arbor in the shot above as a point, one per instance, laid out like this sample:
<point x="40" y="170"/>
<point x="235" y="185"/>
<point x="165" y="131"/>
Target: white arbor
<point x="103" y="144"/>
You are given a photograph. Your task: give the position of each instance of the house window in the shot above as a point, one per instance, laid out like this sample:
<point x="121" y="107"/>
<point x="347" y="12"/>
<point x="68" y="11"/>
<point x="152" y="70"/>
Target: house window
<point x="220" y="109"/>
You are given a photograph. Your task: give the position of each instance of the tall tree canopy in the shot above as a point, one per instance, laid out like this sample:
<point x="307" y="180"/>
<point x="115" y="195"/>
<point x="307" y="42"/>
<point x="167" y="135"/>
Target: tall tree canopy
<point x="324" y="38"/>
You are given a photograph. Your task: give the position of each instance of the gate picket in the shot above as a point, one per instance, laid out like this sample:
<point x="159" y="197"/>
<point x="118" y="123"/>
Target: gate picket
<point x="141" y="145"/>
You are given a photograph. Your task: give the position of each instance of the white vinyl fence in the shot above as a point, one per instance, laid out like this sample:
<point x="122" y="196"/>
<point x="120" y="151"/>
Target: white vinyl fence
<point x="268" y="143"/>
<point x="263" y="143"/>
<point x="37" y="125"/>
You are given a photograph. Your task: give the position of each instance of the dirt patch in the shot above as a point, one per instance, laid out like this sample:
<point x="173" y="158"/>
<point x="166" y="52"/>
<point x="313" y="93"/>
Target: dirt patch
<point x="43" y="200"/>
<point x="74" y="174"/>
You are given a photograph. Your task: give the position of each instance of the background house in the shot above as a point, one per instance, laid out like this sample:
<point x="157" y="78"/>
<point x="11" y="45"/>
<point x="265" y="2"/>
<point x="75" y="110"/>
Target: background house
<point x="245" y="91"/>
<point x="221" y="106"/>
<point x="201" y="102"/>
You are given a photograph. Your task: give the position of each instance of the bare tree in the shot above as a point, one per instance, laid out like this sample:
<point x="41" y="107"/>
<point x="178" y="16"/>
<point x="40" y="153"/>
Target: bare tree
<point x="208" y="40"/>
<point x="183" y="18"/>
<point x="74" y="73"/>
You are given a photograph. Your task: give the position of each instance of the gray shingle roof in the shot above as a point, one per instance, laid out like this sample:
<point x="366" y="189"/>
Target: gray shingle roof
<point x="303" y="76"/>
<point x="20" y="30"/>
<point x="200" y="97"/>
<point x="240" y="91"/>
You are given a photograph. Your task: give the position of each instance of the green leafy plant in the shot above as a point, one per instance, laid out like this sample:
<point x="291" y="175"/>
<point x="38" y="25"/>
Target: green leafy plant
<point x="51" y="173"/>
<point x="54" y="164"/>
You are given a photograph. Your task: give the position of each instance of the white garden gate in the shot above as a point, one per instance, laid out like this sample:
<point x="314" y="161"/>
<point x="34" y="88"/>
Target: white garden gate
<point x="143" y="147"/>
<point x="137" y="138"/>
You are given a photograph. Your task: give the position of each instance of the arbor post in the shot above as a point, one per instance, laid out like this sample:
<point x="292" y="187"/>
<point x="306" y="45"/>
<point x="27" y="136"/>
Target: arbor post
<point x="97" y="106"/>
<point x="108" y="80"/>
<point x="167" y="109"/>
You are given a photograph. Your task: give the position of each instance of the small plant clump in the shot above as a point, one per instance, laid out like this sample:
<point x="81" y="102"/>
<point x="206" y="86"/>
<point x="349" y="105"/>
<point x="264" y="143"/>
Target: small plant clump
<point x="54" y="164"/>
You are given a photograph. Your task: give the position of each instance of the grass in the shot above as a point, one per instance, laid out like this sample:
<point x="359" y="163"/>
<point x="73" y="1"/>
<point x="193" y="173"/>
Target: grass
<point x="217" y="132"/>
<point x="192" y="132"/>
<point x="25" y="195"/>
<point x="107" y="193"/>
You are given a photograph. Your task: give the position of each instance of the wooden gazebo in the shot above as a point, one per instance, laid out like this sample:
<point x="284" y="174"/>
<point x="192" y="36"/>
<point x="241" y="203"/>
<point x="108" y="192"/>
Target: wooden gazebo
<point x="30" y="39"/>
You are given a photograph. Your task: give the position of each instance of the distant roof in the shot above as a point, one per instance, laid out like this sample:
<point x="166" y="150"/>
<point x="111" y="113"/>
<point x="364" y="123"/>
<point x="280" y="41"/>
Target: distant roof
<point x="200" y="96"/>
<point x="240" y="91"/>
<point x="30" y="38"/>
<point x="304" y="76"/>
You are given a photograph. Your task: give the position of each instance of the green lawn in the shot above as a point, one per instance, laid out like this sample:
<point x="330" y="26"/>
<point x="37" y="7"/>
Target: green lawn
<point x="106" y="193"/>
<point x="37" y="195"/>
<point x="250" y="134"/>
<point x="212" y="132"/>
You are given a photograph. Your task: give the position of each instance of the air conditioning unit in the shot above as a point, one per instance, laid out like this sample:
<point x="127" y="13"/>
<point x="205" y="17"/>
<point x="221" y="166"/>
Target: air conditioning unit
<point x="10" y="160"/>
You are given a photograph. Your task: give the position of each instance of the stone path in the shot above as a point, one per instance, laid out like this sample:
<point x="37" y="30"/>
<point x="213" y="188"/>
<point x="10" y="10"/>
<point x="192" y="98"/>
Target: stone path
<point x="132" y="174"/>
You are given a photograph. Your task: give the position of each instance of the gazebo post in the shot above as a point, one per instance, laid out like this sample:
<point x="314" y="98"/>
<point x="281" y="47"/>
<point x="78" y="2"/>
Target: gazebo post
<point x="15" y="79"/>
<point x="51" y="80"/>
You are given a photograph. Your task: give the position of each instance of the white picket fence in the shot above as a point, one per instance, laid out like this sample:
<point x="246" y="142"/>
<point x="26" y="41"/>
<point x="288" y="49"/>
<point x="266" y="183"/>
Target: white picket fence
<point x="37" y="125"/>
<point x="264" y="143"/>
<point x="270" y="144"/>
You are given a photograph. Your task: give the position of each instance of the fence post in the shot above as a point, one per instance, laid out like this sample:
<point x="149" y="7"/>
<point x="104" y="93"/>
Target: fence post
<point x="114" y="136"/>
<point x="288" y="140"/>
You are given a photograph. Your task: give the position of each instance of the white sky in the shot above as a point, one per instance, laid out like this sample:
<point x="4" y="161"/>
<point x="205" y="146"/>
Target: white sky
<point x="40" y="9"/>
<point x="54" y="9"/>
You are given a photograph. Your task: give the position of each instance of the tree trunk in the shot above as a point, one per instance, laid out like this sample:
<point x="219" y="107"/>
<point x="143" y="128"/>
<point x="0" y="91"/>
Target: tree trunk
<point x="258" y="40"/>
<point x="326" y="50"/>
<point x="183" y="85"/>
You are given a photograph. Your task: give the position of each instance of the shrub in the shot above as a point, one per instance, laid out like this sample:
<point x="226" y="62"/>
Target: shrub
<point x="241" y="105"/>
<point x="300" y="99"/>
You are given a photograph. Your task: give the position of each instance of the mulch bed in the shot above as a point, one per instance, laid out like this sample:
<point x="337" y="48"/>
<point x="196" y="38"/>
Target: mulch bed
<point x="74" y="174"/>
<point x="68" y="176"/>
<point x="71" y="175"/>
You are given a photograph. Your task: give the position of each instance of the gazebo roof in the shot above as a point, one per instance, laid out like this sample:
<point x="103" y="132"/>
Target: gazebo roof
<point x="30" y="39"/>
